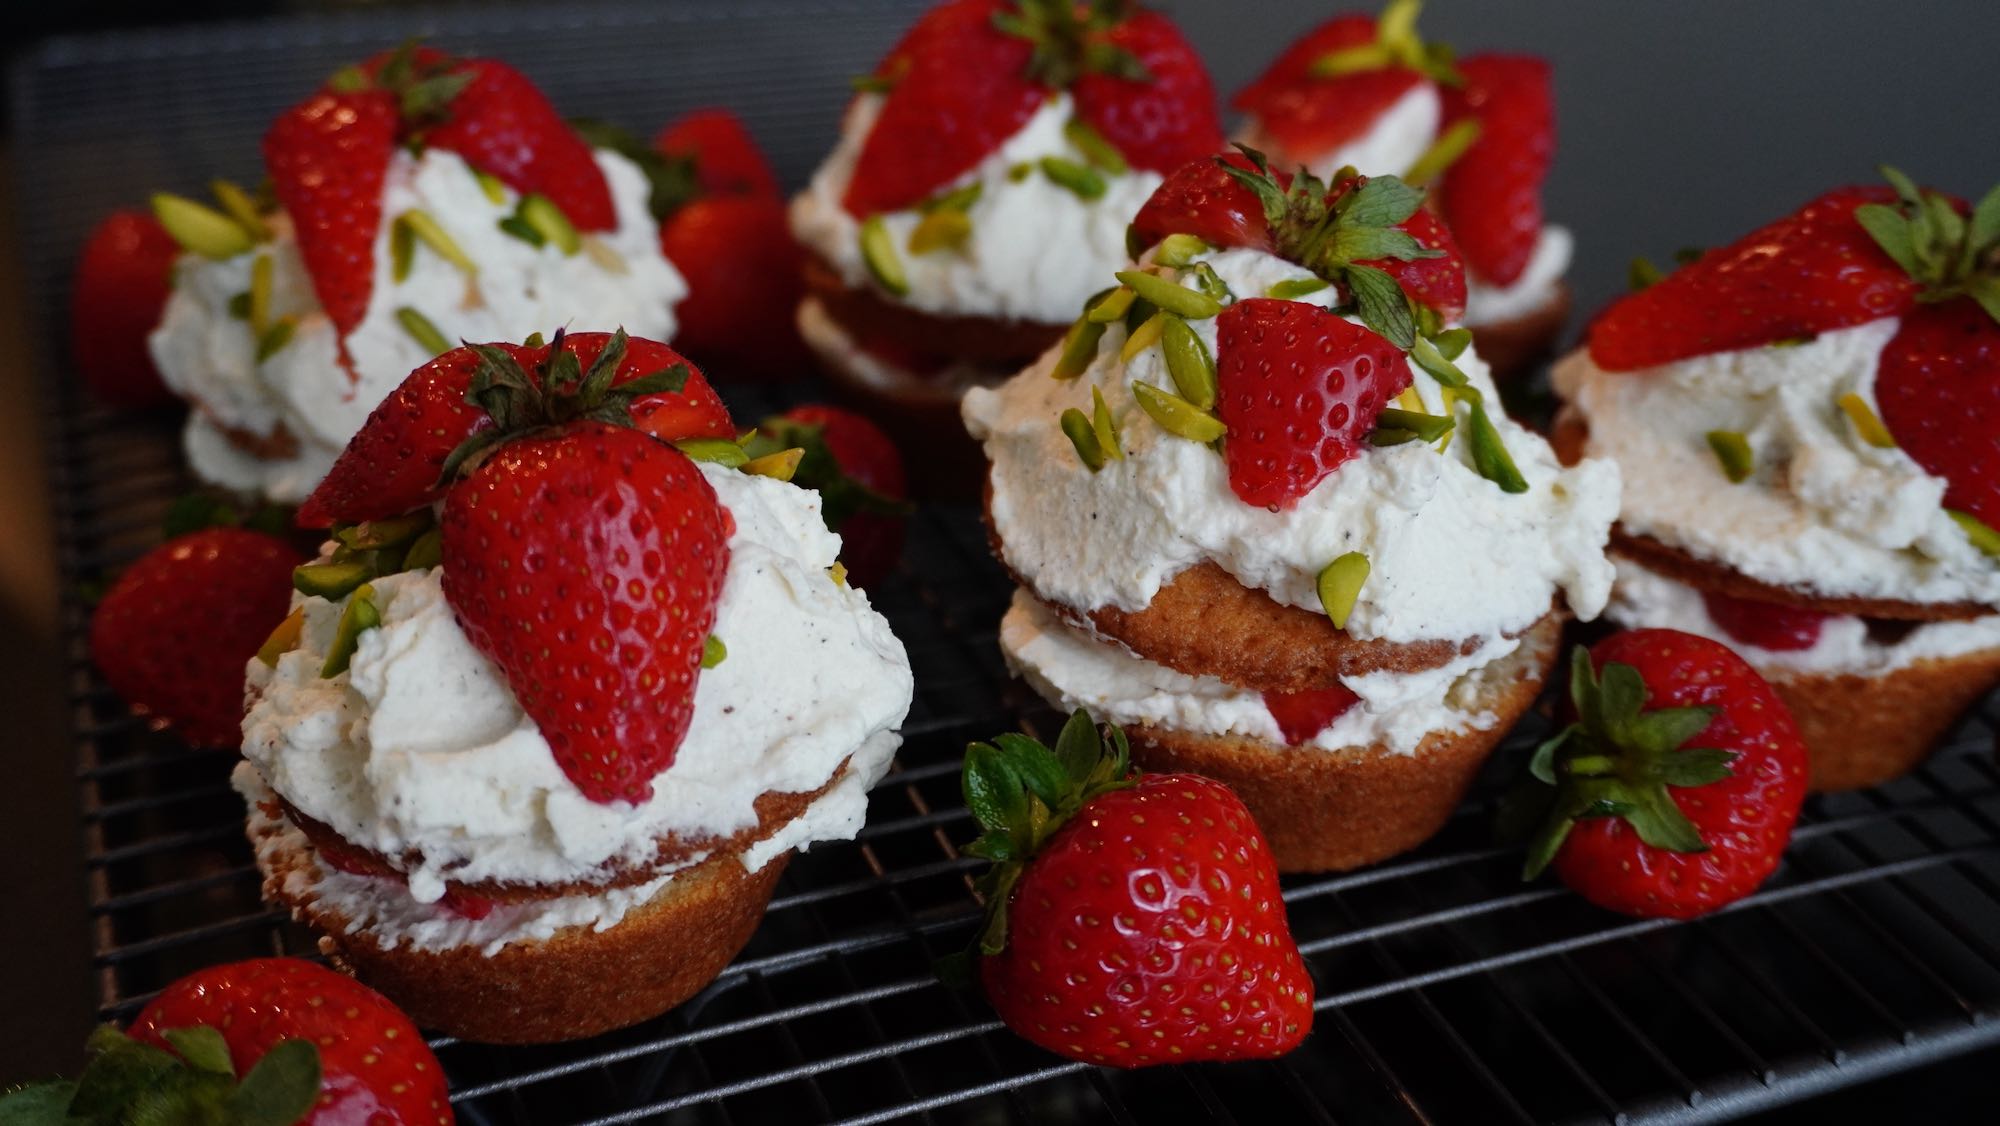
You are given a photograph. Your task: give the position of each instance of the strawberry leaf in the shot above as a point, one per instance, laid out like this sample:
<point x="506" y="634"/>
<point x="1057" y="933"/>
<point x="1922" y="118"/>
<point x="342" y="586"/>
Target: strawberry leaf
<point x="202" y="1047"/>
<point x="1696" y="767"/>
<point x="1036" y="767"/>
<point x="1078" y="748"/>
<point x="281" y="1088"/>
<point x="40" y="1104"/>
<point x="1660" y="823"/>
<point x="1382" y="201"/>
<point x="992" y="792"/>
<point x="1381" y="305"/>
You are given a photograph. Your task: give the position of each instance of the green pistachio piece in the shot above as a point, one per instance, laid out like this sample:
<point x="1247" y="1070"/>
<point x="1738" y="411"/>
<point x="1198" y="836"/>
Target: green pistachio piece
<point x="1340" y="584"/>
<point x="1079" y="348"/>
<point x="1291" y="289"/>
<point x="838" y="573"/>
<point x="1176" y="415"/>
<point x="1452" y="342"/>
<point x="1105" y="427"/>
<point x="1489" y="453"/>
<point x="491" y="186"/>
<point x="284" y="639"/>
<point x="1171" y="296"/>
<point x="1352" y="60"/>
<point x="393" y="532"/>
<point x="426" y="552"/>
<point x="240" y="207"/>
<point x="1732" y="449"/>
<point x="1078" y="178"/>
<point x="1077" y="428"/>
<point x="780" y="465"/>
<point x="1426" y="356"/>
<point x="1177" y="251"/>
<point x="1211" y="283"/>
<point x="940" y="230"/>
<point x="1443" y="152"/>
<point x="721" y="451"/>
<point x="201" y="229"/>
<point x="1135" y="243"/>
<point x="356" y="618"/>
<point x="428" y="232"/>
<point x="541" y="213"/>
<point x="330" y="580"/>
<point x="1109" y="306"/>
<point x="259" y="312"/>
<point x="1641" y="274"/>
<point x="239" y="306"/>
<point x="1394" y="426"/>
<point x="1866" y="422"/>
<point x="1982" y="535"/>
<point x="1095" y="149"/>
<point x="713" y="651"/>
<point x="960" y="199"/>
<point x="1189" y="362"/>
<point x="422" y="330"/>
<point x="1020" y="172"/>
<point x="1144" y="337"/>
<point x="607" y="259"/>
<point x="275" y="338"/>
<point x="878" y="250"/>
<point x="402" y="250"/>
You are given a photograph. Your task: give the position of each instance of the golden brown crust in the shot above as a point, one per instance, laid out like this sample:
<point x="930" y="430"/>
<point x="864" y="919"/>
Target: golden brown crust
<point x="982" y="341"/>
<point x="1866" y="730"/>
<point x="578" y="982"/>
<point x="774" y="811"/>
<point x="1510" y="347"/>
<point x="1335" y="810"/>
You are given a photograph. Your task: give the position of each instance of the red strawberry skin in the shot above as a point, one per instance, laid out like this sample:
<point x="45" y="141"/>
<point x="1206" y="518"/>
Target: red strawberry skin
<point x="393" y="463"/>
<point x="1299" y="389"/>
<point x="502" y="124"/>
<point x="870" y="542"/>
<point x="1746" y="819"/>
<point x="1492" y="194"/>
<point x="327" y="158"/>
<point x="374" y="1065"/>
<point x="1302" y="716"/>
<point x="726" y="158"/>
<point x="1310" y="117"/>
<point x="1813" y="271"/>
<point x="174" y="632"/>
<point x="1150" y="929"/>
<point x="586" y="564"/>
<point x="1161" y="123"/>
<point x="745" y="275"/>
<point x="961" y="88"/>
<point x="1938" y="384"/>
<point x="1437" y="282"/>
<point x="1201" y="199"/>
<point x="1766" y="625"/>
<point x="120" y="292"/>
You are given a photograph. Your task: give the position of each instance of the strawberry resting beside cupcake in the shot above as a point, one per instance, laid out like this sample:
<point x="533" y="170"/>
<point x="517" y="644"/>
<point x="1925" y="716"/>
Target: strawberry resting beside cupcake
<point x="1368" y="92"/>
<point x="417" y="200"/>
<point x="985" y="175"/>
<point x="535" y="743"/>
<point x="1807" y="428"/>
<point x="1267" y="515"/>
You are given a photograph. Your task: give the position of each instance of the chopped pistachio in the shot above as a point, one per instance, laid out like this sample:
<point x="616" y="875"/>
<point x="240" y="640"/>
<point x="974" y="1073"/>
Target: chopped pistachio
<point x="239" y="306"/>
<point x="1409" y="400"/>
<point x="1171" y="296"/>
<point x="1109" y="306"/>
<point x="780" y="465"/>
<point x="240" y="207"/>
<point x="1105" y="427"/>
<point x="422" y="330"/>
<point x="940" y="230"/>
<point x="275" y="338"/>
<point x="1489" y="453"/>
<point x="1082" y="435"/>
<point x="428" y="232"/>
<point x="1732" y="449"/>
<point x="541" y="213"/>
<point x="838" y="573"/>
<point x="426" y="552"/>
<point x="1143" y="337"/>
<point x="284" y="639"/>
<point x="1020" y="172"/>
<point x="1079" y="348"/>
<point x="713" y="651"/>
<point x="1866" y="422"/>
<point x="1352" y="60"/>
<point x="330" y="580"/>
<point x="259" y="312"/>
<point x="1641" y="274"/>
<point x="1176" y="251"/>
<point x="1211" y="283"/>
<point x="402" y="250"/>
<point x="1452" y="342"/>
<point x="1340" y="585"/>
<point x="518" y="227"/>
<point x="491" y="187"/>
<point x="1443" y="152"/>
<point x="1078" y="178"/>
<point x="1189" y="362"/>
<point x="721" y="451"/>
<point x="1426" y="356"/>
<point x="356" y="618"/>
<point x="1095" y="149"/>
<point x="1293" y="288"/>
<point x="1981" y="534"/>
<point x="878" y="250"/>
<point x="201" y="229"/>
<point x="1176" y="415"/>
<point x="392" y="532"/>
<point x="1394" y="426"/>
<point x="607" y="259"/>
<point x="960" y="199"/>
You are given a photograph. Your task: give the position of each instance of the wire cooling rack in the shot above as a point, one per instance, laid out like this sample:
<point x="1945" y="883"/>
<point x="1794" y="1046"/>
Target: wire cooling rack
<point x="1448" y="991"/>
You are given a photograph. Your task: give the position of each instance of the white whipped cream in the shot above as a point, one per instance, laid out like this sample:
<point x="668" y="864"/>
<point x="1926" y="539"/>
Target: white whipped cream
<point x="1647" y="599"/>
<point x="1451" y="555"/>
<point x="1037" y="250"/>
<point x="1536" y="289"/>
<point x="209" y="357"/>
<point x="1824" y="512"/>
<point x="420" y="746"/>
<point x="1073" y="669"/>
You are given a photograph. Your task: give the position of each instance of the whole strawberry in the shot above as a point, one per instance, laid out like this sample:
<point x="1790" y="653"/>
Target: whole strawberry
<point x="266" y="1041"/>
<point x="1130" y="921"/>
<point x="723" y="154"/>
<point x="745" y="276"/>
<point x="1677" y="785"/>
<point x="120" y="290"/>
<point x="1336" y="81"/>
<point x="1492" y="194"/>
<point x="174" y="632"/>
<point x="859" y="476"/>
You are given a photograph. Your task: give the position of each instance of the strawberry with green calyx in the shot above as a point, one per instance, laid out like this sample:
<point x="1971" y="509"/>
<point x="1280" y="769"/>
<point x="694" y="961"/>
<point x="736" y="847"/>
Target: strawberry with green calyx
<point x="1678" y="783"/>
<point x="1130" y="920"/>
<point x="720" y="152"/>
<point x="859" y="476"/>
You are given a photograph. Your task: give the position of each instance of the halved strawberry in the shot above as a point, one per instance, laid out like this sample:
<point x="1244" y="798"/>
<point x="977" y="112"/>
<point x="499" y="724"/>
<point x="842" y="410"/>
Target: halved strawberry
<point x="1938" y="385"/>
<point x="1202" y="199"/>
<point x="1310" y="114"/>
<point x="1492" y="194"/>
<point x="1167" y="117"/>
<point x="327" y="157"/>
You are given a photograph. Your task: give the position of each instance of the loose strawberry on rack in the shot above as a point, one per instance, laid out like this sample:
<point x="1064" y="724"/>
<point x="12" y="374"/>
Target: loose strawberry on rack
<point x="859" y="476"/>
<point x="1330" y="86"/>
<point x="1678" y="783"/>
<point x="397" y="461"/>
<point x="265" y="1041"/>
<point x="725" y="158"/>
<point x="122" y="281"/>
<point x="1130" y="920"/>
<point x="1491" y="194"/>
<point x="970" y="73"/>
<point x="1767" y="625"/>
<point x="174" y="632"/>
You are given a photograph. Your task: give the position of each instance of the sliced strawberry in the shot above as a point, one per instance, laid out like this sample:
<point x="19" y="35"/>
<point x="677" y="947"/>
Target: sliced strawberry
<point x="1767" y="625"/>
<point x="726" y="158"/>
<point x="120" y="291"/>
<point x="1310" y="116"/>
<point x="1492" y="194"/>
<point x="1300" y="389"/>
<point x="1201" y="199"/>
<point x="327" y="157"/>
<point x="1938" y="385"/>
<point x="1302" y="716"/>
<point x="745" y="277"/>
<point x="503" y="124"/>
<point x="1164" y="120"/>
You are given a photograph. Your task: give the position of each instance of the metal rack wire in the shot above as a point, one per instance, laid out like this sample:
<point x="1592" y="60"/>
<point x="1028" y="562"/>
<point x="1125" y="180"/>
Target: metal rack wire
<point x="1448" y="990"/>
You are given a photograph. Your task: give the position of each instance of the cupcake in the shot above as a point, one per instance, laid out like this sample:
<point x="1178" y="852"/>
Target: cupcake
<point x="985" y="174"/>
<point x="1805" y="421"/>
<point x="533" y="765"/>
<point x="1265" y="513"/>
<point x="1369" y="93"/>
<point x="417" y="200"/>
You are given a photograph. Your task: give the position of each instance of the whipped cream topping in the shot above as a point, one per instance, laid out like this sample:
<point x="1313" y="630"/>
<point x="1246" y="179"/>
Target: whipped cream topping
<point x="1824" y="512"/>
<point x="1451" y="555"/>
<point x="1644" y="598"/>
<point x="210" y="357"/>
<point x="1071" y="668"/>
<point x="1538" y="287"/>
<point x="420" y="747"/>
<point x="1037" y="249"/>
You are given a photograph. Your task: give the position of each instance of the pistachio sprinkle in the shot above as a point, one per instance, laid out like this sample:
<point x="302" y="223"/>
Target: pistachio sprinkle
<point x="423" y="330"/>
<point x="356" y="618"/>
<point x="1340" y="585"/>
<point x="1866" y="422"/>
<point x="940" y="230"/>
<point x="1076" y="426"/>
<point x="284" y="639"/>
<point x="541" y="213"/>
<point x="1176" y="415"/>
<point x="240" y="207"/>
<point x="713" y="651"/>
<point x="1079" y="348"/>
<point x="274" y="338"/>
<point x="1291" y="289"/>
<point x="1171" y="296"/>
<point x="201" y="229"/>
<point x="1177" y="251"/>
<point x="1981" y="534"/>
<point x="1443" y="152"/>
<point x="1105" y="427"/>
<point x="1189" y="362"/>
<point x="1732" y="449"/>
<point x="1109" y="306"/>
<point x="780" y="465"/>
<point x="878" y="251"/>
<point x="1095" y="149"/>
<point x="721" y="451"/>
<point x="1144" y="337"/>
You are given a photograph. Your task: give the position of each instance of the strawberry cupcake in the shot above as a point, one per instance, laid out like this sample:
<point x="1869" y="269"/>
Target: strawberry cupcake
<point x="1369" y="93"/>
<point x="416" y="200"/>
<point x="530" y="802"/>
<point x="1266" y="514"/>
<point x="984" y="178"/>
<point x="1806" y="423"/>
